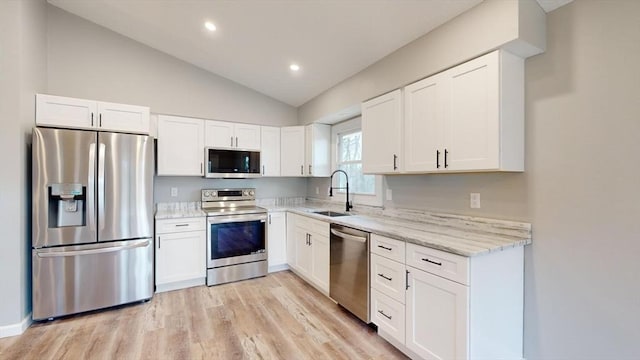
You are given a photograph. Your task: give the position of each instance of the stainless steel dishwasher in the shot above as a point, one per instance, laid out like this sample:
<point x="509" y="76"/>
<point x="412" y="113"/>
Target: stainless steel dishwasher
<point x="349" y="270"/>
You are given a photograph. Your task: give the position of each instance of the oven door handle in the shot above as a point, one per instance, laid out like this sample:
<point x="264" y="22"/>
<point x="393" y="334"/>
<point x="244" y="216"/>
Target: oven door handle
<point x="236" y="218"/>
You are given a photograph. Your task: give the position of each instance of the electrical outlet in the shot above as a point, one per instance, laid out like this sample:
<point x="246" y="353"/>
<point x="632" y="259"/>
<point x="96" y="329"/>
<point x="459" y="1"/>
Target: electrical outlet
<point x="174" y="191"/>
<point x="474" y="200"/>
<point x="317" y="190"/>
<point x="389" y="194"/>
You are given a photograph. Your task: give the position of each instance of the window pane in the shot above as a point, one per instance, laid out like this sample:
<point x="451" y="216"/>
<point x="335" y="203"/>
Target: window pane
<point x="351" y="147"/>
<point x="358" y="183"/>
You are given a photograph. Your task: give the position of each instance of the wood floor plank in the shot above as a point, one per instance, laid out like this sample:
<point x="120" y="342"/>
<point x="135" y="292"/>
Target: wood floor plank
<point x="275" y="317"/>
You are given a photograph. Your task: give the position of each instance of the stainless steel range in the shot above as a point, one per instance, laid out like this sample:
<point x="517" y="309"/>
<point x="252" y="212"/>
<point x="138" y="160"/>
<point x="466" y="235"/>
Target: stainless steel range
<point x="236" y="235"/>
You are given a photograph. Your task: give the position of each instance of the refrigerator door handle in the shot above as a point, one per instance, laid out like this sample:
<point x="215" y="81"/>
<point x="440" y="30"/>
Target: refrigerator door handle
<point x="101" y="185"/>
<point x="109" y="249"/>
<point x="91" y="186"/>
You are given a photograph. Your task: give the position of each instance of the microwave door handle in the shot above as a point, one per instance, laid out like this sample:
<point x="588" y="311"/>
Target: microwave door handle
<point x="91" y="187"/>
<point x="101" y="185"/>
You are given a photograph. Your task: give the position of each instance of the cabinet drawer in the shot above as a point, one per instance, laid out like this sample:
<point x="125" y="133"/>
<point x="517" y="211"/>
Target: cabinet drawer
<point x="388" y="277"/>
<point x="180" y="225"/>
<point x="388" y="315"/>
<point x="320" y="227"/>
<point x="444" y="264"/>
<point x="390" y="248"/>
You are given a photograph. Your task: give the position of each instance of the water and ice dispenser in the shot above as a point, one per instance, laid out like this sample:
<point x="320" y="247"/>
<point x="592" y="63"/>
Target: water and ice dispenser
<point x="67" y="205"/>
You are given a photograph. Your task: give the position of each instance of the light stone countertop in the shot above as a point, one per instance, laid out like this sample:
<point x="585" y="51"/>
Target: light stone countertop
<point x="458" y="234"/>
<point x="178" y="210"/>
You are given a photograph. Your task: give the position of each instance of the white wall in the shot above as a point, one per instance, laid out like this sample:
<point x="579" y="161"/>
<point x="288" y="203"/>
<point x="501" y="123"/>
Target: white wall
<point x="88" y="61"/>
<point x="580" y="189"/>
<point x="516" y="25"/>
<point x="22" y="73"/>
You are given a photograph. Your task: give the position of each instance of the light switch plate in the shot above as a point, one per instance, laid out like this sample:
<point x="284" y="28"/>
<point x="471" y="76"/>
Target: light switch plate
<point x="474" y="200"/>
<point x="174" y="191"/>
<point x="389" y="194"/>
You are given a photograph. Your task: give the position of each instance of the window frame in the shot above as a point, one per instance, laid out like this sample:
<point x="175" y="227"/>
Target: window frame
<point x="346" y="127"/>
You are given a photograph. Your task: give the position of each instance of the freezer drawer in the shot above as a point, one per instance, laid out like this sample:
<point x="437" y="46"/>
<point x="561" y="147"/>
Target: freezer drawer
<point x="75" y="279"/>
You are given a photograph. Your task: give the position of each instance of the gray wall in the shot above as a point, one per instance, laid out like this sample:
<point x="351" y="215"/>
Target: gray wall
<point x="88" y="61"/>
<point x="189" y="187"/>
<point x="579" y="190"/>
<point x="516" y="25"/>
<point x="22" y="73"/>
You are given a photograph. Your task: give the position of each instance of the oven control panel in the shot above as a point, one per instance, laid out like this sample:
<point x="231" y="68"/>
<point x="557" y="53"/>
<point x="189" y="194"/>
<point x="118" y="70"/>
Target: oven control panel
<point x="228" y="194"/>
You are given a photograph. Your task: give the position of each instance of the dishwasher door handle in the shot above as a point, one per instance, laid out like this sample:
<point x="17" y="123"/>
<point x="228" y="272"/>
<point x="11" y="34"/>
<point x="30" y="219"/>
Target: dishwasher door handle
<point x="359" y="239"/>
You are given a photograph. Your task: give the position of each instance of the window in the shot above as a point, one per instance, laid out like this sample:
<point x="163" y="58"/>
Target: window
<point x="346" y="142"/>
<point x="349" y="159"/>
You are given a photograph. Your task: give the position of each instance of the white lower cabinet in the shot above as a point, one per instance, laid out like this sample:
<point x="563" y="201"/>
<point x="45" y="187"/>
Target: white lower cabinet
<point x="277" y="241"/>
<point x="437" y="316"/>
<point x="447" y="306"/>
<point x="181" y="252"/>
<point x="308" y="250"/>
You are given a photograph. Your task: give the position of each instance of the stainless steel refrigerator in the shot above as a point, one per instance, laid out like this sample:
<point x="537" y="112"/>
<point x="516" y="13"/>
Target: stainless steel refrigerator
<point x="92" y="235"/>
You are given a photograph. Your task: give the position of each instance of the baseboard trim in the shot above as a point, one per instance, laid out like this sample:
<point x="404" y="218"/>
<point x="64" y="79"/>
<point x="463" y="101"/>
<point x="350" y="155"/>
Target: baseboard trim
<point x="176" y="285"/>
<point x="276" y="268"/>
<point x="16" y="329"/>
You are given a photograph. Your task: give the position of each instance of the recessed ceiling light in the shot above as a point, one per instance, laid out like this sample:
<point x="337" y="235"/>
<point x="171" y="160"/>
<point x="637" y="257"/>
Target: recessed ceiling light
<point x="294" y="67"/>
<point x="210" y="26"/>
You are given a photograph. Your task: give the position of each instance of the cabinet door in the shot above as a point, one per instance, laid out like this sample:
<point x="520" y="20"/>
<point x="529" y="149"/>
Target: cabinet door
<point x="292" y="151"/>
<point x="317" y="150"/>
<point x="277" y="236"/>
<point x="320" y="260"/>
<point x="436" y="316"/>
<point x="180" y="146"/>
<point x="66" y="112"/>
<point x="121" y="117"/>
<point x="473" y="120"/>
<point x="219" y="134"/>
<point x="303" y="251"/>
<point x="247" y="136"/>
<point x="270" y="151"/>
<point x="423" y="125"/>
<point x="180" y="256"/>
<point x="381" y="134"/>
<point x="291" y="240"/>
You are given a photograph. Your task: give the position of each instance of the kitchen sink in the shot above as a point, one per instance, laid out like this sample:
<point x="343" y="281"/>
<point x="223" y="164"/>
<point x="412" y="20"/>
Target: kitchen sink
<point x="330" y="213"/>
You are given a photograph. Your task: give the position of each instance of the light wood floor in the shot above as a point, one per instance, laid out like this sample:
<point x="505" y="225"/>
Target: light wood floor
<point x="275" y="317"/>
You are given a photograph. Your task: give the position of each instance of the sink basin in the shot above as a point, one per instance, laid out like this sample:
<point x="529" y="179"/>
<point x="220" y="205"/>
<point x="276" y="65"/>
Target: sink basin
<point x="330" y="213"/>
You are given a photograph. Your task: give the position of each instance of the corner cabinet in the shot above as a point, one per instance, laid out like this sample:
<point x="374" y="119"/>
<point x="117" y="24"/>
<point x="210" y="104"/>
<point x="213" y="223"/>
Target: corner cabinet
<point x="180" y="249"/>
<point x="308" y="250"/>
<point x="382" y="134"/>
<point x="447" y="306"/>
<point x="180" y="146"/>
<point x="75" y="113"/>
<point x="469" y="118"/>
<point x="270" y="153"/>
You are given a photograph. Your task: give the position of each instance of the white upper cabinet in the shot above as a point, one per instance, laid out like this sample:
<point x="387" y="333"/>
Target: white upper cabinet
<point x="467" y="118"/>
<point x="120" y="117"/>
<point x="74" y="113"/>
<point x="221" y="134"/>
<point x="292" y="151"/>
<point x="270" y="153"/>
<point x="423" y="131"/>
<point x="317" y="150"/>
<point x="382" y="134"/>
<point x="180" y="146"/>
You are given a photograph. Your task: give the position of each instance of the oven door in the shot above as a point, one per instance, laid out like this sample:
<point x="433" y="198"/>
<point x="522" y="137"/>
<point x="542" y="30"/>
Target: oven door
<point x="236" y="239"/>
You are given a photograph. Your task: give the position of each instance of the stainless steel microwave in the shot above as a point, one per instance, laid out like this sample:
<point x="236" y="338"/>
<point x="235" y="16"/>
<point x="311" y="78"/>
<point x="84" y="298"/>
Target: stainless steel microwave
<point x="231" y="163"/>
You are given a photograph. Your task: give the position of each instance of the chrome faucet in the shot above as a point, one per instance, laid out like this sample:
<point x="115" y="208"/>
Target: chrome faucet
<point x="349" y="206"/>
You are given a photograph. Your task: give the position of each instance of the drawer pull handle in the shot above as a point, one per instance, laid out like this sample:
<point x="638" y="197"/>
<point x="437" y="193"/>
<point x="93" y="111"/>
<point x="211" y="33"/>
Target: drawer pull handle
<point x="432" y="262"/>
<point x="384" y="247"/>
<point x="384" y="277"/>
<point x="385" y="315"/>
<point x="180" y="225"/>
